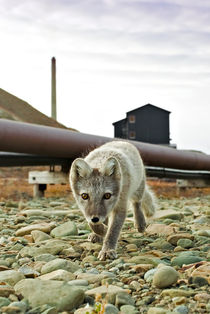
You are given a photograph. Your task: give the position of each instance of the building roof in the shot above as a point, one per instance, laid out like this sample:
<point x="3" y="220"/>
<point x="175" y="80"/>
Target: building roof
<point x="119" y="121"/>
<point x="18" y="109"/>
<point x="139" y="109"/>
<point x="147" y="105"/>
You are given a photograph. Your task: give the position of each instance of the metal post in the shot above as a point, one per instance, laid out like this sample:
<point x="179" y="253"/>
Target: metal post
<point x="53" y="89"/>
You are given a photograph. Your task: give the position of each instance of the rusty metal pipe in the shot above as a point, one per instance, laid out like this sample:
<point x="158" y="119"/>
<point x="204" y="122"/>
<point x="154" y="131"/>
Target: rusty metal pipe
<point x="47" y="141"/>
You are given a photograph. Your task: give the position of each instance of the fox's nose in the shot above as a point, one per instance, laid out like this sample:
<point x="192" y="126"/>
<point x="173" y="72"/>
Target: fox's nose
<point x="95" y="219"/>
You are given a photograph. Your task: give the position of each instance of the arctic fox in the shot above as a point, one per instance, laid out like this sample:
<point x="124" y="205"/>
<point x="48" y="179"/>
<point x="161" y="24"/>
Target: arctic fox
<point x="104" y="183"/>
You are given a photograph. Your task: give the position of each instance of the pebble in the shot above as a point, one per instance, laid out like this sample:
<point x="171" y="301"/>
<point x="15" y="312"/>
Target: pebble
<point x="45" y="227"/>
<point x="160" y="229"/>
<point x="11" y="277"/>
<point x="158" y="310"/>
<point x="125" y="309"/>
<point x="4" y="301"/>
<point x="177" y="293"/>
<point x="198" y="281"/>
<point x="63" y="230"/>
<point x="123" y="298"/>
<point x="148" y="276"/>
<point x="50" y="247"/>
<point x="185" y="259"/>
<point x="5" y="290"/>
<point x="182" y="309"/>
<point x="165" y="276"/>
<point x="84" y="310"/>
<point x="46" y="292"/>
<point x="111" y="309"/>
<point x="174" y="238"/>
<point x="59" y="274"/>
<point x="57" y="265"/>
<point x="104" y="290"/>
<point x="38" y="236"/>
<point x="202" y="296"/>
<point x="185" y="243"/>
<point x="93" y="278"/>
<point x="204" y="233"/>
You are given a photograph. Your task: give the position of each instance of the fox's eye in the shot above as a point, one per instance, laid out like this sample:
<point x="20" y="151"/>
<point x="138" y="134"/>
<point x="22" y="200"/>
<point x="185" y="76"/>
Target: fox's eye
<point x="107" y="196"/>
<point x="85" y="196"/>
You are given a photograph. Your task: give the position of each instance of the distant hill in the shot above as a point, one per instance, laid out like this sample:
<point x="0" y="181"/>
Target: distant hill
<point x="14" y="108"/>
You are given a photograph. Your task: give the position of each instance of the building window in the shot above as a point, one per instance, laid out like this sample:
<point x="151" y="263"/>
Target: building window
<point x="132" y="135"/>
<point x="132" y="119"/>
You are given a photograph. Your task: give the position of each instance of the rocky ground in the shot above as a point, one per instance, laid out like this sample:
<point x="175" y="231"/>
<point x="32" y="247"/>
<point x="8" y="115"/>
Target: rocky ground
<point x="48" y="266"/>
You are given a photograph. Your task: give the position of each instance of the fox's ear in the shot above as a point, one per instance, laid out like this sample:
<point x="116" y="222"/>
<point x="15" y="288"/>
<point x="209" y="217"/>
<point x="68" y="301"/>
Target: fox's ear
<point x="111" y="167"/>
<point x="80" y="168"/>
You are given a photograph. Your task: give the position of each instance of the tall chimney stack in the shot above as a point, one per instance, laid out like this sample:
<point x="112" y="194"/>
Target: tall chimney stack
<point x="53" y="89"/>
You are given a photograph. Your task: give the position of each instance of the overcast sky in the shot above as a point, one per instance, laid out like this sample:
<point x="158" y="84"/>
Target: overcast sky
<point x="112" y="56"/>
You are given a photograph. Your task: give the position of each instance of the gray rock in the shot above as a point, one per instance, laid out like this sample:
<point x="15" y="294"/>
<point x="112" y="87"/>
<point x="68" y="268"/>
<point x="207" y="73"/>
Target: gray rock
<point x="59" y="274"/>
<point x="198" y="281"/>
<point x="111" y="309"/>
<point x="39" y="236"/>
<point x="125" y="309"/>
<point x="78" y="282"/>
<point x="161" y="244"/>
<point x="54" y="293"/>
<point x="173" y="216"/>
<point x="165" y="276"/>
<point x="142" y="260"/>
<point x="66" y="229"/>
<point x="4" y="301"/>
<point x="185" y="243"/>
<point x="158" y="310"/>
<point x="44" y="258"/>
<point x="21" y="305"/>
<point x="28" y="272"/>
<point x="110" y="292"/>
<point x="85" y="310"/>
<point x="59" y="263"/>
<point x="185" y="259"/>
<point x="148" y="276"/>
<point x="204" y="233"/>
<point x="50" y="247"/>
<point x="181" y="309"/>
<point x="11" y="277"/>
<point x="123" y="298"/>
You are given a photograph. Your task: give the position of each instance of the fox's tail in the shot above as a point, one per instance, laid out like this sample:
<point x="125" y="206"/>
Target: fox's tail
<point x="149" y="202"/>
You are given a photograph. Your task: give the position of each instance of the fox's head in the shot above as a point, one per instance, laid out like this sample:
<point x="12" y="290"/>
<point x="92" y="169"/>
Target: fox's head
<point x="96" y="190"/>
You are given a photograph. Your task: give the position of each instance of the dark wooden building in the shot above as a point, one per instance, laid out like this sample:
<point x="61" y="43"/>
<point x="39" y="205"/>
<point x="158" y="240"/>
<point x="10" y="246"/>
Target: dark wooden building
<point x="148" y="124"/>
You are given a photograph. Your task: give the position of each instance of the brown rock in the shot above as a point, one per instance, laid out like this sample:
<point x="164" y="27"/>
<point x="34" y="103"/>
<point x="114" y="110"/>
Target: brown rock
<point x="29" y="238"/>
<point x="202" y="271"/>
<point x="142" y="268"/>
<point x="11" y="309"/>
<point x="161" y="229"/>
<point x="5" y="290"/>
<point x="43" y="226"/>
<point x="202" y="297"/>
<point x="174" y="238"/>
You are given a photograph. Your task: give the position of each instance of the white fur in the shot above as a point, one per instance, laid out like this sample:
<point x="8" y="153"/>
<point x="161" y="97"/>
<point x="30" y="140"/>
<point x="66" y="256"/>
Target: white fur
<point x="115" y="168"/>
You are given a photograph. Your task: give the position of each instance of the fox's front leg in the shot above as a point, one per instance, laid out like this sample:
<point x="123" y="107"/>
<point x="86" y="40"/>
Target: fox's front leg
<point x="112" y="235"/>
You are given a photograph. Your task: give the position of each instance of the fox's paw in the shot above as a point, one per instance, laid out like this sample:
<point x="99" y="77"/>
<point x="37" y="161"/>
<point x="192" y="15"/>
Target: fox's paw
<point x="141" y="226"/>
<point x="107" y="254"/>
<point x="93" y="237"/>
